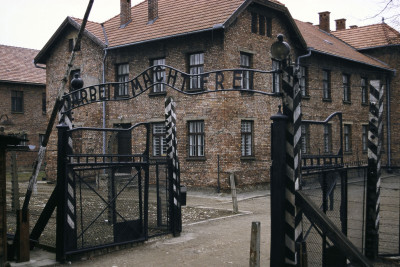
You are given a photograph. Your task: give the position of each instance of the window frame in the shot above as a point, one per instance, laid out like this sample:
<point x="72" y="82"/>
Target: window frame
<point x="247" y="134"/>
<point x="198" y="67"/>
<point x="327" y="138"/>
<point x="303" y="81"/>
<point x="17" y="101"/>
<point x="254" y="22"/>
<point x="305" y="138"/>
<point x="122" y="89"/>
<point x="44" y="104"/>
<point x="23" y="142"/>
<point x="158" y="88"/>
<point x="196" y="139"/>
<point x="364" y="138"/>
<point x="160" y="149"/>
<point x="41" y="139"/>
<point x="246" y="81"/>
<point x="364" y="91"/>
<point x="347" y="132"/>
<point x="276" y="77"/>
<point x="346" y="85"/>
<point x="326" y="85"/>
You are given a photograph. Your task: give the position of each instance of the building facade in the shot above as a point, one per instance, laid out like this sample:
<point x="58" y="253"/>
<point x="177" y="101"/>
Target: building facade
<point x="219" y="133"/>
<point x="382" y="42"/>
<point x="23" y="104"/>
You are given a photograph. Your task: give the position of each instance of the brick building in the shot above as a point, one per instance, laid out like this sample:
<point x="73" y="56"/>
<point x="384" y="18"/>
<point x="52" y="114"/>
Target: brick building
<point x="23" y="99"/>
<point x="197" y="36"/>
<point x="381" y="42"/>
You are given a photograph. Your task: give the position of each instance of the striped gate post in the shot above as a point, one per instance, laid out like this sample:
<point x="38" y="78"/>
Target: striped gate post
<point x="173" y="167"/>
<point x="374" y="169"/>
<point x="293" y="215"/>
<point x="66" y="238"/>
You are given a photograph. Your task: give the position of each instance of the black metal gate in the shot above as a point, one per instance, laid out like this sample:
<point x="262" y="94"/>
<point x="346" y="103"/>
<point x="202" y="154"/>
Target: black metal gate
<point x="108" y="199"/>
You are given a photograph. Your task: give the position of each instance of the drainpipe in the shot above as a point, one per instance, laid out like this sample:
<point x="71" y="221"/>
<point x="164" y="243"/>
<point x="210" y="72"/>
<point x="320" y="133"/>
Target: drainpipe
<point x="389" y="134"/>
<point x="301" y="57"/>
<point x="104" y="81"/>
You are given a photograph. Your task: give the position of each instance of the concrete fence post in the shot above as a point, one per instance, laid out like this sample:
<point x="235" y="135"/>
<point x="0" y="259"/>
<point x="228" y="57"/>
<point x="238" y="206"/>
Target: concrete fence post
<point x="255" y="245"/>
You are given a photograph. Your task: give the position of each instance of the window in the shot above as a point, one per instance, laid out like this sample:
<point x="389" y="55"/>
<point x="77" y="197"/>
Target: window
<point x="326" y="84"/>
<point x="41" y="139"/>
<point x="247" y="138"/>
<point x="364" y="138"/>
<point x="71" y="43"/>
<point x="261" y="24"/>
<point x="305" y="136"/>
<point x="159" y="140"/>
<point x="254" y="22"/>
<point x="245" y="62"/>
<point x="346" y="87"/>
<point x="269" y="27"/>
<point x="17" y="101"/>
<point x="347" y="137"/>
<point x="276" y="77"/>
<point x="196" y="66"/>
<point x="303" y="81"/>
<point x="122" y="77"/>
<point x="196" y="139"/>
<point x="327" y="138"/>
<point x="24" y="142"/>
<point x="44" y="103"/>
<point x="364" y="91"/>
<point x="159" y="75"/>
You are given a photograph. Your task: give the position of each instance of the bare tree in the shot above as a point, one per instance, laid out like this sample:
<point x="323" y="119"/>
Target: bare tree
<point x="390" y="12"/>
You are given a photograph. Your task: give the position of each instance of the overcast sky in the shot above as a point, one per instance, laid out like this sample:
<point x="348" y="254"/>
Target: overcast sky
<point x="31" y="23"/>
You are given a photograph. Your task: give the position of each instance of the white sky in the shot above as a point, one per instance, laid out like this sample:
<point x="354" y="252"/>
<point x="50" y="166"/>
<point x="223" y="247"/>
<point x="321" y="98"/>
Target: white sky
<point x="31" y="23"/>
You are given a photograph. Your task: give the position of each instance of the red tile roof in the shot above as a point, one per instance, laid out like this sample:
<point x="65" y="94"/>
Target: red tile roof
<point x="323" y="42"/>
<point x="369" y="36"/>
<point x="16" y="65"/>
<point x="174" y="18"/>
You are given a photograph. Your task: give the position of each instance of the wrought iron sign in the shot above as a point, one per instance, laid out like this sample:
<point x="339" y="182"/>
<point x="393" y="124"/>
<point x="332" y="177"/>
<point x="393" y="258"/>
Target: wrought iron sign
<point x="253" y="80"/>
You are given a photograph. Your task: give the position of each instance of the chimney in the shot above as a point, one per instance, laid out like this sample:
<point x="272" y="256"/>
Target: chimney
<point x="340" y="24"/>
<point x="324" y="21"/>
<point x="153" y="10"/>
<point x="125" y="14"/>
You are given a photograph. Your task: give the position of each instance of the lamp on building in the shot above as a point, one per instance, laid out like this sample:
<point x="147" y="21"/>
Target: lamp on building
<point x="77" y="82"/>
<point x="280" y="49"/>
<point x="6" y="121"/>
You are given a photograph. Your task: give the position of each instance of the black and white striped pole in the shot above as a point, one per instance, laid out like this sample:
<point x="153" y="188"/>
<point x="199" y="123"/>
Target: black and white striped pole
<point x="375" y="127"/>
<point x="292" y="110"/>
<point x="66" y="205"/>
<point x="173" y="167"/>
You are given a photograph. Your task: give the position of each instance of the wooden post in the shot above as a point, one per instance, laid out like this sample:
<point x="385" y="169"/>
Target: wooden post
<point x="233" y="191"/>
<point x="255" y="245"/>
<point x="14" y="182"/>
<point x="23" y="246"/>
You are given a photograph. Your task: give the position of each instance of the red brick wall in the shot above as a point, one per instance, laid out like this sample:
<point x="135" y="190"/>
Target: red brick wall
<point x="221" y="112"/>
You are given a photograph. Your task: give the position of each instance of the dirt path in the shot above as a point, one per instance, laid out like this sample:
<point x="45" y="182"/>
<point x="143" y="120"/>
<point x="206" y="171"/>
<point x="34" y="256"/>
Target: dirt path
<point x="218" y="242"/>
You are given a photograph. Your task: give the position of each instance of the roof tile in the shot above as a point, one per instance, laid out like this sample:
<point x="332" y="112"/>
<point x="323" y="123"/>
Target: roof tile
<point x="369" y="36"/>
<point x="16" y="65"/>
<point x="326" y="43"/>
